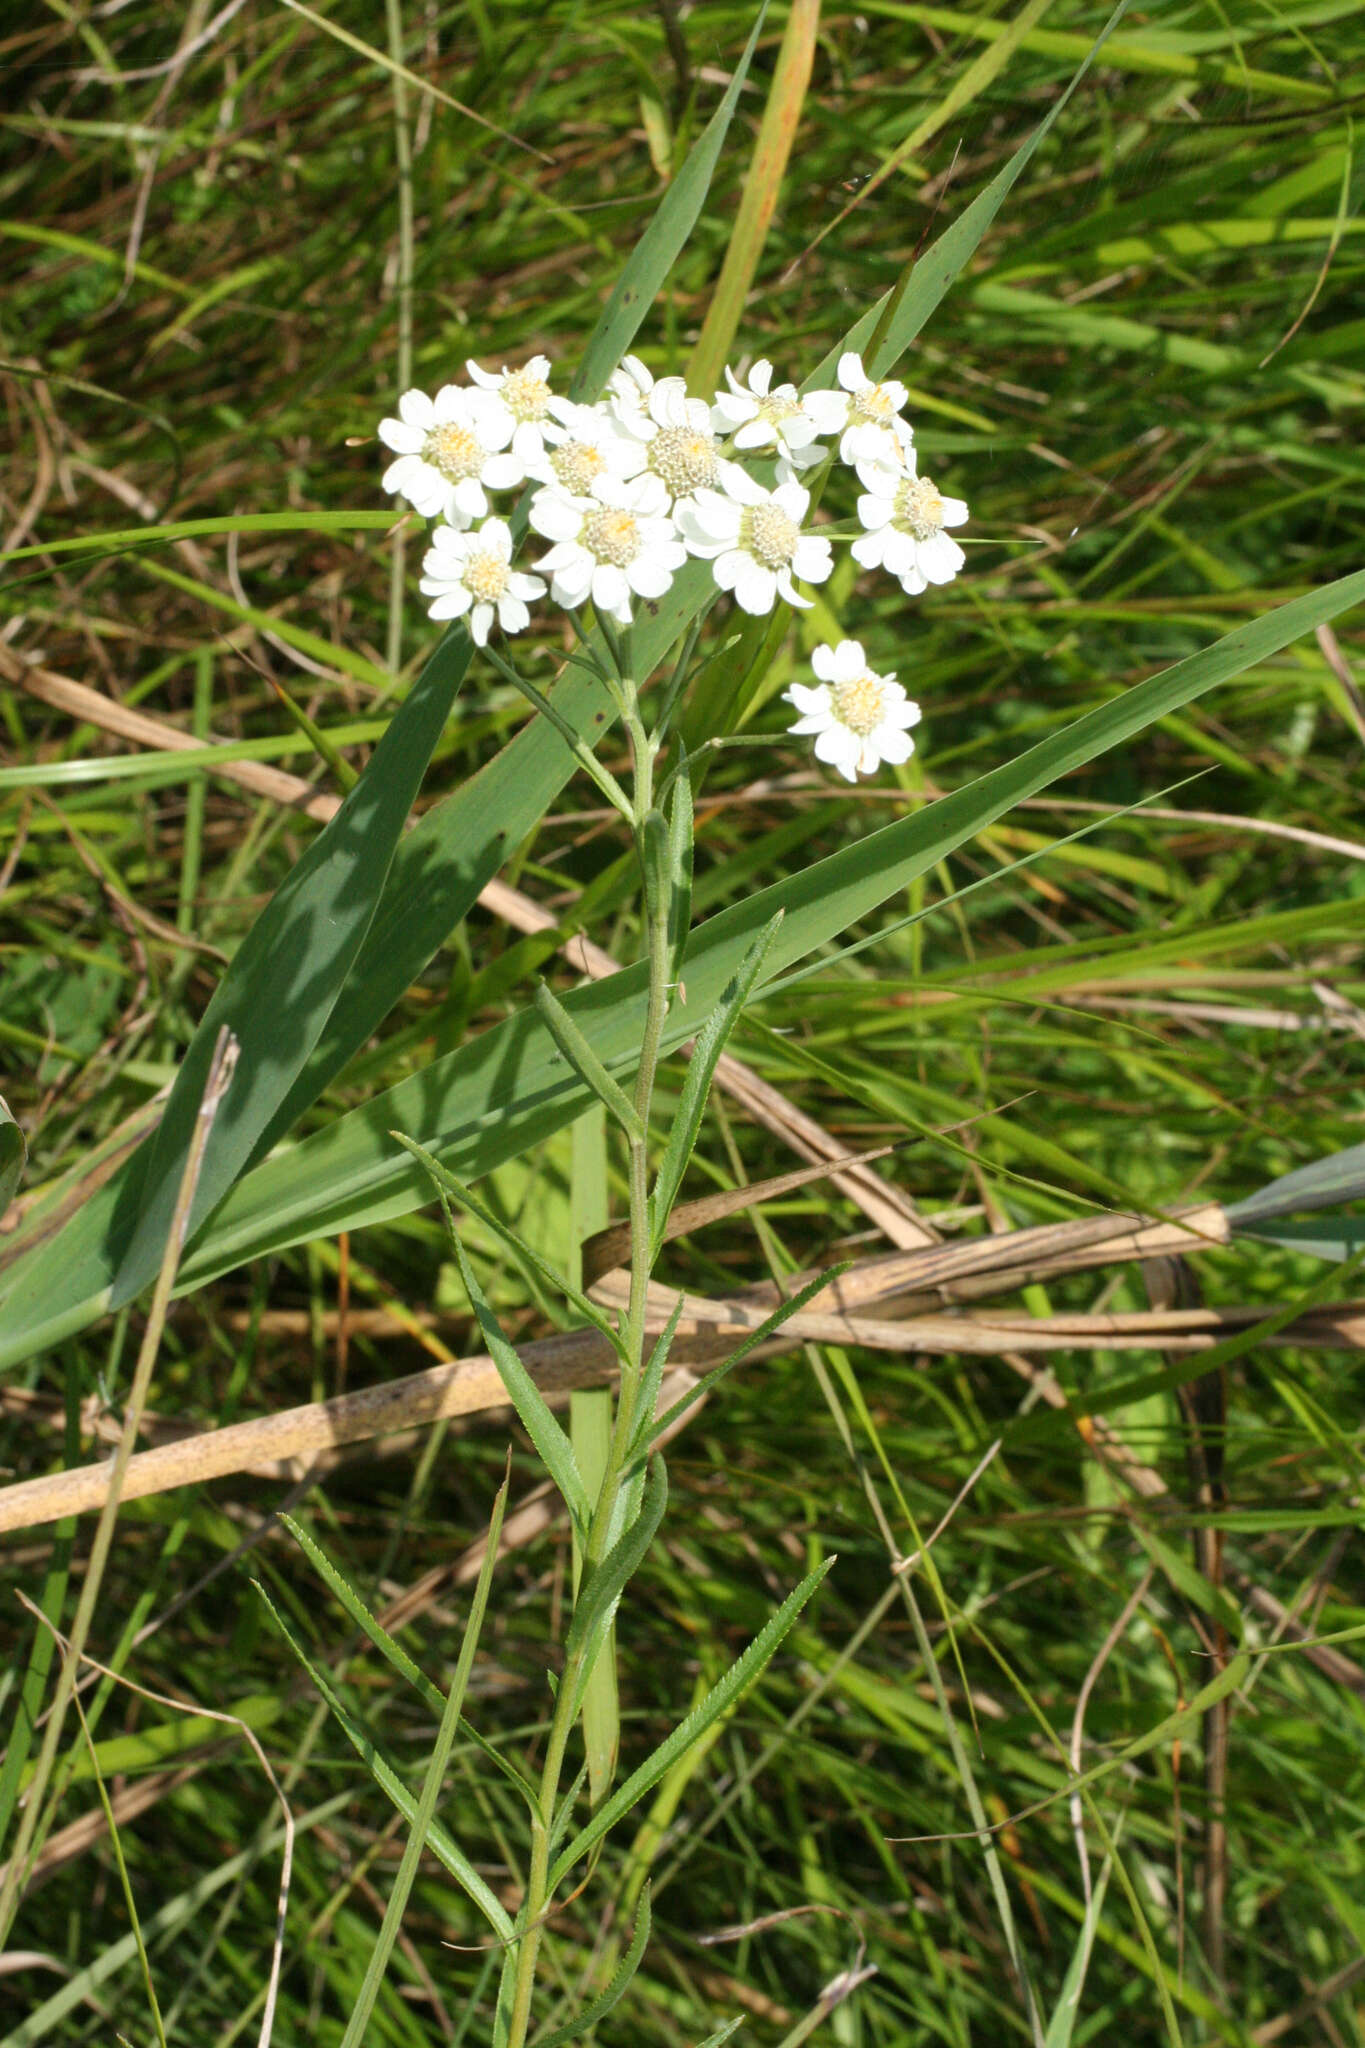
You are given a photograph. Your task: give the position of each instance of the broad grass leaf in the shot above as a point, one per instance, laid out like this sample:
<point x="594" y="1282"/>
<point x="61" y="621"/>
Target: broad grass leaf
<point x="1338" y="1178"/>
<point x="13" y="1155"/>
<point x="280" y="989"/>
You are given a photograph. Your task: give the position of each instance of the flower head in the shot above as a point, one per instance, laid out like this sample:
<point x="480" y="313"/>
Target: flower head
<point x="866" y="416"/>
<point x="755" y="541"/>
<point x="859" y="718"/>
<point x="448" y="450"/>
<point x="524" y="396"/>
<point x="760" y="417"/>
<point x="471" y="573"/>
<point x="904" y="516"/>
<point x="582" y="450"/>
<point x="665" y="432"/>
<point x="609" y="547"/>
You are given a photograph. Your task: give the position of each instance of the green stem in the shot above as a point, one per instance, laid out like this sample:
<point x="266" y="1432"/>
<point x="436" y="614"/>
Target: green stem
<point x="644" y="752"/>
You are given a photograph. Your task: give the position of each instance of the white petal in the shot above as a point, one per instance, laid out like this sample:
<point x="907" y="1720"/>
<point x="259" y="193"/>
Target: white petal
<point x="812" y="558"/>
<point x="755" y="434"/>
<point x="874" y="513"/>
<point x="416" y="409"/>
<point x="453" y="605"/>
<point x="803" y="697"/>
<point x="648" y="576"/>
<point x="852" y="375"/>
<point x="827" y="410"/>
<point x="503" y="472"/>
<point x="823" y="662"/>
<point x="610" y="587"/>
<point x="523" y="587"/>
<point x="755" y="587"/>
<point x="868" y="550"/>
<point x="940" y="558"/>
<point x="954" y="511"/>
<point x="840" y="748"/>
<point x="848" y="662"/>
<point x="513" y="616"/>
<point x="556" y="516"/>
<point x="489" y="379"/>
<point x="789" y="590"/>
<point x="468" y="496"/>
<point x="794" y="500"/>
<point x="404" y="440"/>
<point x="893" y="746"/>
<point x="480" y="619"/>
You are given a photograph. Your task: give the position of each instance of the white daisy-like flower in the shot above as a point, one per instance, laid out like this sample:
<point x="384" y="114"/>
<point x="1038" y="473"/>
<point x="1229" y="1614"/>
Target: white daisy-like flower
<point x="859" y="718"/>
<point x="904" y="516"/>
<point x="866" y="416"/>
<point x="448" y="449"/>
<point x="760" y="417"/>
<point x="583" y="447"/>
<point x="754" y="540"/>
<point x="526" y="398"/>
<point x="471" y="573"/>
<point x="618" y="544"/>
<point x="666" y="433"/>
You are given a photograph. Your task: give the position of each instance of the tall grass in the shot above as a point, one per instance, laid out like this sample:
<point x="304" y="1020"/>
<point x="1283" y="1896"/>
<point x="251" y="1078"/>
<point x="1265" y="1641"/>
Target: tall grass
<point x="1138" y="990"/>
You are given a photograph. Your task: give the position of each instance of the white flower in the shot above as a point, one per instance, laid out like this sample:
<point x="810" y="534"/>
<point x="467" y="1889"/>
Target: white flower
<point x="754" y="538"/>
<point x="904" y="516"/>
<point x="664" y="431"/>
<point x="866" y="416"/>
<point x="472" y="573"/>
<point x="583" y="447"/>
<point x="760" y="417"/>
<point x="525" y="397"/>
<point x="859" y="718"/>
<point x="447" y="450"/>
<point x="609" y="547"/>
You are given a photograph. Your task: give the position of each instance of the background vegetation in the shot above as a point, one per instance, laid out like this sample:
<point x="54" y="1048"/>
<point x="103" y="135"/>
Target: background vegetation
<point x="1148" y="388"/>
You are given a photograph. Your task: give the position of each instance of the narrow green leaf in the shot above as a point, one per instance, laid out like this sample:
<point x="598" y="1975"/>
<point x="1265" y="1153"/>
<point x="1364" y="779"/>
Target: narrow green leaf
<point x="899" y="314"/>
<point x="658" y="248"/>
<point x="1064" y="2015"/>
<point x="394" y="1654"/>
<point x="1340" y="1177"/>
<point x="526" y="1253"/>
<point x="769" y="1327"/>
<point x="615" y="1991"/>
<point x="597" y="1602"/>
<point x="721" y="1697"/>
<point x="681" y="833"/>
<point x="386" y="1777"/>
<point x="585" y="1063"/>
<point x="537" y="1419"/>
<point x="432" y="1781"/>
<point x="682" y="1134"/>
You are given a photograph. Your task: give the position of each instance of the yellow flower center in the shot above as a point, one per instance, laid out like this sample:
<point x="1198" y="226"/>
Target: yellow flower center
<point x="875" y="405"/>
<point x="485" y="576"/>
<point x="612" y="536"/>
<point x="684" y="457"/>
<point x="769" y="536"/>
<point x="578" y="465"/>
<point x="775" y="409"/>
<point x="456" y="451"/>
<point x="919" y="508"/>
<point x="525" y="395"/>
<point x="861" y="704"/>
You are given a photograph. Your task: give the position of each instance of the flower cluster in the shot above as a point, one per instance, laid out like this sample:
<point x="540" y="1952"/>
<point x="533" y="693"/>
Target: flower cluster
<point x="627" y="489"/>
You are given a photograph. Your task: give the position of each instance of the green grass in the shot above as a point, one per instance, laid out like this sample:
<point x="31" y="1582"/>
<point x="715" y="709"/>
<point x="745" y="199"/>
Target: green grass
<point x="1147" y="386"/>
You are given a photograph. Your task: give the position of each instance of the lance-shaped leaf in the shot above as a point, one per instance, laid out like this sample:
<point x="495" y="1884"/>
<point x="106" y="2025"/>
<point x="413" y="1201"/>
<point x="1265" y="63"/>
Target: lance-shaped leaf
<point x="537" y="1418"/>
<point x="432" y="1782"/>
<point x="386" y="1777"/>
<point x="602" y="1589"/>
<point x="682" y="1135"/>
<point x="721" y="1697"/>
<point x="615" y="1991"/>
<point x="1340" y="1177"/>
<point x="579" y="1053"/>
<point x="525" y="1253"/>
